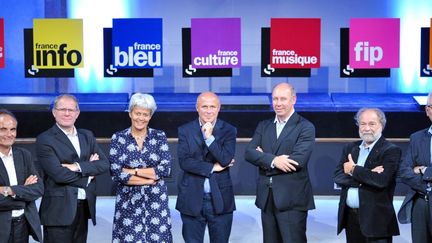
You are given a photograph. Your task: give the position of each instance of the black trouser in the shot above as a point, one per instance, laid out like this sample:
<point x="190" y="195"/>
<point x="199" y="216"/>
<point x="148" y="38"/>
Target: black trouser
<point x="421" y="221"/>
<point x="74" y="233"/>
<point x="353" y="232"/>
<point x="19" y="230"/>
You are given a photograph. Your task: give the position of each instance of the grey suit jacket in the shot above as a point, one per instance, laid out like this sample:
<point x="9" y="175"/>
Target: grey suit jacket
<point x="417" y="154"/>
<point x="59" y="203"/>
<point x="25" y="195"/>
<point x="293" y="190"/>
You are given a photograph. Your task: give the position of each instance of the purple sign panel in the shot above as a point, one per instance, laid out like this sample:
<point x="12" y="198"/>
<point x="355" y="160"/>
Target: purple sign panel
<point x="215" y="43"/>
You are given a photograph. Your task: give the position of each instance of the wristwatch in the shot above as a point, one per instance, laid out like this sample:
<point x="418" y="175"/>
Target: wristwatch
<point x="6" y="191"/>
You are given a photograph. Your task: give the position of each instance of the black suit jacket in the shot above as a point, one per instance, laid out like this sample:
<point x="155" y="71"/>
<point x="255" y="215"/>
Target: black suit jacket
<point x="418" y="154"/>
<point x="291" y="191"/>
<point x="59" y="203"/>
<point x="196" y="162"/>
<point x="25" y="195"/>
<point x="376" y="213"/>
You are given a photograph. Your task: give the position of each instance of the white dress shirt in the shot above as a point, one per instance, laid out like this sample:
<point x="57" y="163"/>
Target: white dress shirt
<point x="13" y="181"/>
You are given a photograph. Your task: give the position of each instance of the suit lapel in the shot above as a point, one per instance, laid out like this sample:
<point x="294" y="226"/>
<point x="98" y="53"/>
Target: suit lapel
<point x="19" y="166"/>
<point x="83" y="146"/>
<point x="62" y="137"/>
<point x="425" y="143"/>
<point x="4" y="178"/>
<point x="197" y="135"/>
<point x="288" y="128"/>
<point x="355" y="151"/>
<point x="374" y="152"/>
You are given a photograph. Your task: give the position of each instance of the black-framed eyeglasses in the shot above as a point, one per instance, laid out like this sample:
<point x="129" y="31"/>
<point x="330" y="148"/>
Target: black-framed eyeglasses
<point x="64" y="110"/>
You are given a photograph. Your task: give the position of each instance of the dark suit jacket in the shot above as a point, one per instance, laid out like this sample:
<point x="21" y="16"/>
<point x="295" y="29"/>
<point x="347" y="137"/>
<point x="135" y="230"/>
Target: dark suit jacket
<point x="291" y="191"/>
<point x="25" y="195"/>
<point x="418" y="153"/>
<point x="196" y="162"/>
<point x="59" y="203"/>
<point x="376" y="213"/>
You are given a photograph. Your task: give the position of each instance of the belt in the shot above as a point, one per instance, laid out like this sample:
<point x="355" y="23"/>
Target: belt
<point x="353" y="210"/>
<point x="18" y="219"/>
<point x="81" y="201"/>
<point x="421" y="196"/>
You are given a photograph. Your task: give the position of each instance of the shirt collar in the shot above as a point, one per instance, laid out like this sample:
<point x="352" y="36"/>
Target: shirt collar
<point x="430" y="130"/>
<point x="201" y="124"/>
<point x="276" y="120"/>
<point x="73" y="133"/>
<point x="370" y="147"/>
<point x="6" y="155"/>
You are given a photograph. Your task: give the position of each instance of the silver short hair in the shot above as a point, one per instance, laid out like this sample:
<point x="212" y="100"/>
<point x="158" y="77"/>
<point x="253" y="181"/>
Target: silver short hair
<point x="145" y="101"/>
<point x="381" y="116"/>
<point x="70" y="96"/>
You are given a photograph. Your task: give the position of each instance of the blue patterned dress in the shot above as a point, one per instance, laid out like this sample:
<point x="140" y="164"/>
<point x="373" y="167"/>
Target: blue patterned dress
<point x="141" y="212"/>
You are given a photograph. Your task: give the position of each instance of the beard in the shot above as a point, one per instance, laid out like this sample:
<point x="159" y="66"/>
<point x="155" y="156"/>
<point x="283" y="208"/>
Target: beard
<point x="370" y="137"/>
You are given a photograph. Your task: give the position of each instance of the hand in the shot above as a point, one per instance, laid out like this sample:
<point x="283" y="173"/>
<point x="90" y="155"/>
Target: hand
<point x="349" y="165"/>
<point x="379" y="169"/>
<point x="418" y="169"/>
<point x="32" y="179"/>
<point x="259" y="149"/>
<point x="283" y="163"/>
<point x="207" y="130"/>
<point x="150" y="182"/>
<point x="72" y="167"/>
<point x="94" y="157"/>
<point x="218" y="167"/>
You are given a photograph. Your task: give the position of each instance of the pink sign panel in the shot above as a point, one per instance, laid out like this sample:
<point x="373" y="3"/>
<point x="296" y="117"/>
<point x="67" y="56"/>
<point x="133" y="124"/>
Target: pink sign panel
<point x="374" y="43"/>
<point x="2" y="51"/>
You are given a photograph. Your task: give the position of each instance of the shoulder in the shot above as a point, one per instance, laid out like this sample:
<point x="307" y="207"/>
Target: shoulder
<point x="304" y="121"/>
<point x="226" y="125"/>
<point x="188" y="125"/>
<point x="47" y="133"/>
<point x="387" y="145"/>
<point x="85" y="132"/>
<point x="156" y="133"/>
<point x="20" y="150"/>
<point x="419" y="134"/>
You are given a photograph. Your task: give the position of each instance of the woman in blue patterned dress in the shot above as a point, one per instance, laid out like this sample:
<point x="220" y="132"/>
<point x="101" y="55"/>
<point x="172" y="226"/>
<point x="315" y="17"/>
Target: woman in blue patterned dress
<point x="140" y="160"/>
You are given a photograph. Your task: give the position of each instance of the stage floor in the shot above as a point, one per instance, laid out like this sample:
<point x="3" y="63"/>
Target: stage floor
<point x="247" y="223"/>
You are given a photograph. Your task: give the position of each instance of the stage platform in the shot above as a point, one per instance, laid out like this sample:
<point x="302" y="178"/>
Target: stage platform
<point x="230" y="102"/>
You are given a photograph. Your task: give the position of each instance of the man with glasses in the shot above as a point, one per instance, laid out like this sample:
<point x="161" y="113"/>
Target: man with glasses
<point x="416" y="172"/>
<point x="69" y="159"/>
<point x="366" y="174"/>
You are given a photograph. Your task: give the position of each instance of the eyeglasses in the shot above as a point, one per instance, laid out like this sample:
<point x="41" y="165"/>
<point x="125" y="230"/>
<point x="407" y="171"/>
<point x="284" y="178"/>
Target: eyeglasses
<point x="428" y="106"/>
<point x="64" y="110"/>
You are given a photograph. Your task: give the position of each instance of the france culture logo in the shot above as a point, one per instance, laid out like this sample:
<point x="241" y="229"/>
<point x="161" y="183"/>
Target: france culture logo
<point x="53" y="48"/>
<point x="133" y="47"/>
<point x="291" y="47"/>
<point x="211" y="47"/>
<point x="2" y="51"/>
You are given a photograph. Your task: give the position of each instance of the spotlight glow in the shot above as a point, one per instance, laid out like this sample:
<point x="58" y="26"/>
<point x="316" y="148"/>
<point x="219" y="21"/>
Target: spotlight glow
<point x="96" y="15"/>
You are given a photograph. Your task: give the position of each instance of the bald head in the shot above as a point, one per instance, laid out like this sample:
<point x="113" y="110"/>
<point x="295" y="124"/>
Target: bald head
<point x="284" y="87"/>
<point x="208" y="106"/>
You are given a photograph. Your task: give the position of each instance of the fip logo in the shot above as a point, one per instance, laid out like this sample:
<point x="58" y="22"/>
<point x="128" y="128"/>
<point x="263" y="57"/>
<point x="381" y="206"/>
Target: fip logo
<point x="374" y="43"/>
<point x="58" y="43"/>
<point x="2" y="58"/>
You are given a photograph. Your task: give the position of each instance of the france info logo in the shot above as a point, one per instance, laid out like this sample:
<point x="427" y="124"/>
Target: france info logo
<point x="374" y="43"/>
<point x="211" y="47"/>
<point x="53" y="48"/>
<point x="133" y="47"/>
<point x="426" y="52"/>
<point x="290" y="47"/>
<point x="2" y="52"/>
